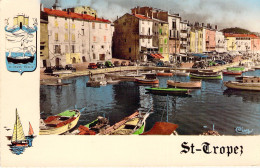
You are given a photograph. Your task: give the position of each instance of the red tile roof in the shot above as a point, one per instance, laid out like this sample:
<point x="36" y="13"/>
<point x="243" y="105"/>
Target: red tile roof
<point x="73" y="15"/>
<point x="240" y="35"/>
<point x="142" y="17"/>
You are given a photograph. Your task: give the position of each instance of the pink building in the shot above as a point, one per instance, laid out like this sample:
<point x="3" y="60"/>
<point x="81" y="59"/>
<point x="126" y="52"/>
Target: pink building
<point x="210" y="39"/>
<point x="255" y="44"/>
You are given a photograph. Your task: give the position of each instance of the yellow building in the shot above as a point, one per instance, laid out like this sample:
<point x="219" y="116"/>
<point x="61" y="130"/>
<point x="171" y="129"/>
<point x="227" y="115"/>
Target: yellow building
<point x="164" y="41"/>
<point x="200" y="41"/>
<point x="44" y="47"/>
<point x="231" y="44"/>
<point x="192" y="41"/>
<point x="73" y="58"/>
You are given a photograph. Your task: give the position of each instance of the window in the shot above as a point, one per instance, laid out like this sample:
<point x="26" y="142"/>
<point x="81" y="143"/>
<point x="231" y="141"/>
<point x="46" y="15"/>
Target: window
<point x="102" y="46"/>
<point x="143" y="40"/>
<point x="56" y="36"/>
<point x="106" y="26"/>
<point x="94" y="56"/>
<point x="94" y="38"/>
<point x="93" y="25"/>
<point x="161" y="50"/>
<point x="73" y="26"/>
<point x="130" y="50"/>
<point x="160" y="31"/>
<point x="149" y="41"/>
<point x="72" y="48"/>
<point x="82" y="32"/>
<point x="105" y="38"/>
<point x="42" y="48"/>
<point x="57" y="49"/>
<point x="73" y="37"/>
<point x="56" y="23"/>
<point x="165" y="41"/>
<point x="66" y="37"/>
<point x="174" y="25"/>
<point x="142" y="30"/>
<point x="66" y="25"/>
<point x="99" y="25"/>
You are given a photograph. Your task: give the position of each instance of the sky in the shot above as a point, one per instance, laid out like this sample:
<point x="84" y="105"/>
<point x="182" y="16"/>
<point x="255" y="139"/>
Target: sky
<point x="224" y="13"/>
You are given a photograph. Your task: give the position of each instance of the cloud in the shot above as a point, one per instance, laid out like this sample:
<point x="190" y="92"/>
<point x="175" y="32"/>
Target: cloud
<point x="224" y="13"/>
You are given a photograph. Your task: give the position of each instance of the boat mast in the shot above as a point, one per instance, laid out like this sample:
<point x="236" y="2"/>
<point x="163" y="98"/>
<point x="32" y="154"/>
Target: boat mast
<point x="167" y="107"/>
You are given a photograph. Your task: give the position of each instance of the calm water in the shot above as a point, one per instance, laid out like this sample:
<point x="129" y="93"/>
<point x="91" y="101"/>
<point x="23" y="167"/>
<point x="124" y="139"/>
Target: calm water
<point x="212" y="104"/>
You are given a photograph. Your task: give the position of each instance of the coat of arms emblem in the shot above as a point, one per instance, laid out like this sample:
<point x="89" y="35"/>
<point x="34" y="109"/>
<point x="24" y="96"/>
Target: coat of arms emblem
<point x="21" y="44"/>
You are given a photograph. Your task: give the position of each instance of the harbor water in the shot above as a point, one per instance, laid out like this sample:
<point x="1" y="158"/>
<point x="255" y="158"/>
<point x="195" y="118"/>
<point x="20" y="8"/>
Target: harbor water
<point x="230" y="112"/>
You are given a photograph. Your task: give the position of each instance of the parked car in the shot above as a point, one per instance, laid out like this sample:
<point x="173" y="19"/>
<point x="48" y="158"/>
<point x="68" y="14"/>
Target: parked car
<point x="132" y="64"/>
<point x="48" y="70"/>
<point x="160" y="64"/>
<point x="92" y="66"/>
<point x="109" y="64"/>
<point x="220" y="62"/>
<point x="116" y="63"/>
<point x="123" y="63"/>
<point x="100" y="65"/>
<point x="58" y="68"/>
<point x="70" y="67"/>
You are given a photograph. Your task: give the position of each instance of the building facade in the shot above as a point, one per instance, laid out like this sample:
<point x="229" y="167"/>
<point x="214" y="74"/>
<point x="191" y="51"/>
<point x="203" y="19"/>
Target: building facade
<point x="76" y="38"/>
<point x="83" y="10"/>
<point x="44" y="44"/>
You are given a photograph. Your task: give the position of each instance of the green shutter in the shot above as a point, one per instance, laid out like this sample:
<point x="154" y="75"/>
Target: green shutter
<point x="161" y="50"/>
<point x="165" y="41"/>
<point x="160" y="31"/>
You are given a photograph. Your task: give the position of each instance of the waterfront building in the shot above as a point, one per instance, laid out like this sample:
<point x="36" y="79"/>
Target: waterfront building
<point x="210" y="35"/>
<point x="183" y="36"/>
<point x="75" y="38"/>
<point x="83" y="10"/>
<point x="138" y="46"/>
<point x="164" y="40"/>
<point x="44" y="44"/>
<point x="221" y="42"/>
<point x="193" y="40"/>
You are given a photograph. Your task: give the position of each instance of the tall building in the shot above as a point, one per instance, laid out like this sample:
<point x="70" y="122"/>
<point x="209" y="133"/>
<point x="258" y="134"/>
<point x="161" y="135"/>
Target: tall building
<point x="75" y="38"/>
<point x="44" y="44"/>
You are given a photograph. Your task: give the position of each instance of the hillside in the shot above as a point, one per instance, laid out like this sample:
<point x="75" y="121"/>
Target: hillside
<point x="236" y="30"/>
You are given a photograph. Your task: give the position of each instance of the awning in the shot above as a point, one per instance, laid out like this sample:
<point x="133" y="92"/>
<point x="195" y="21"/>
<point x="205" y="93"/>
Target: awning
<point x="200" y="55"/>
<point x="158" y="56"/>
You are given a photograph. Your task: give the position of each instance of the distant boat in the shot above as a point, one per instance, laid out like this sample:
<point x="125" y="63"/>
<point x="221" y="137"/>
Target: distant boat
<point x="60" y="123"/>
<point x="187" y="85"/>
<point x="180" y="73"/>
<point x="206" y="75"/>
<point x="18" y="137"/>
<point x="170" y="91"/>
<point x="150" y="79"/>
<point x="164" y="73"/>
<point x="229" y="72"/>
<point x="246" y="83"/>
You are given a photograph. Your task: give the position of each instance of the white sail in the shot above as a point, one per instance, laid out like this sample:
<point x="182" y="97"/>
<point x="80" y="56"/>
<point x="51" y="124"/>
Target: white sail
<point x="18" y="134"/>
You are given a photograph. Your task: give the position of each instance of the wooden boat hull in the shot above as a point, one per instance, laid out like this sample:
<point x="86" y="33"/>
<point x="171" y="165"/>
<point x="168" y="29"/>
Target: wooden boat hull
<point x="62" y="129"/>
<point x="197" y="76"/>
<point x="147" y="81"/>
<point x="242" y="86"/>
<point x="164" y="74"/>
<point x="189" y="85"/>
<point x="232" y="72"/>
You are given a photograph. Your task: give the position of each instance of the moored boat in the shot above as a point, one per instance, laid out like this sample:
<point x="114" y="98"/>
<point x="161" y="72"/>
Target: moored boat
<point x="246" y="83"/>
<point x="171" y="91"/>
<point x="132" y="125"/>
<point x="188" y="85"/>
<point x="206" y="75"/>
<point x="60" y="123"/>
<point x="180" y="73"/>
<point x="229" y="72"/>
<point x="164" y="74"/>
<point x="150" y="79"/>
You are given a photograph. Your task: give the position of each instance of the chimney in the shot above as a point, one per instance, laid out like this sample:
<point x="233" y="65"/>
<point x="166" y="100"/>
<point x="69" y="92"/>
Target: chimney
<point x="202" y="24"/>
<point x="152" y="14"/>
<point x="208" y="25"/>
<point x="216" y="27"/>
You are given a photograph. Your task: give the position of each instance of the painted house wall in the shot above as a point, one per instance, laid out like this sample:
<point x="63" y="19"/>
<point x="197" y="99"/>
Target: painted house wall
<point x="220" y="42"/>
<point x="192" y="41"/>
<point x="146" y="33"/>
<point x="243" y="44"/>
<point x="231" y="44"/>
<point x="44" y="44"/>
<point x="164" y="41"/>
<point x="210" y="39"/>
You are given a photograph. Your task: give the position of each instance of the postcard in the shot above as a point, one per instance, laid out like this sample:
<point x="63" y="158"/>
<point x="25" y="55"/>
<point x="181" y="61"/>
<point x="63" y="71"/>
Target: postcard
<point x="129" y="83"/>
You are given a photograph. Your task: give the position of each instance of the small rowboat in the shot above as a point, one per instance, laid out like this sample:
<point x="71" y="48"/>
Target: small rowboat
<point x="162" y="128"/>
<point x="188" y="85"/>
<point x="171" y="91"/>
<point x="150" y="79"/>
<point x="133" y="124"/>
<point x="60" y="123"/>
<point x="227" y="72"/>
<point x="206" y="75"/>
<point x="180" y="73"/>
<point x="242" y="86"/>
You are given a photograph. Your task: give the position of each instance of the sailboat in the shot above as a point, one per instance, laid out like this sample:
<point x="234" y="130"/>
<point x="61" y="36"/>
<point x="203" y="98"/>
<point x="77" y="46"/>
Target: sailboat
<point x="18" y="138"/>
<point x="31" y="132"/>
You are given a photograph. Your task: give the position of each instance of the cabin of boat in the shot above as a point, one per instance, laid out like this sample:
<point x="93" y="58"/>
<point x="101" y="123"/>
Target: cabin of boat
<point x="244" y="83"/>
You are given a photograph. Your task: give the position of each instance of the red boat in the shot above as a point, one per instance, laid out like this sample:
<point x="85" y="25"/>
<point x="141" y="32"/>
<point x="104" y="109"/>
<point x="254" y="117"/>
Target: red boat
<point x="232" y="72"/>
<point x="164" y="74"/>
